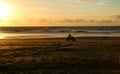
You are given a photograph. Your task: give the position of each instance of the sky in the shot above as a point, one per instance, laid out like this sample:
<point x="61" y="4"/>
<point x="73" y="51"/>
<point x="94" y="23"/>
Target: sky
<point x="59" y="13"/>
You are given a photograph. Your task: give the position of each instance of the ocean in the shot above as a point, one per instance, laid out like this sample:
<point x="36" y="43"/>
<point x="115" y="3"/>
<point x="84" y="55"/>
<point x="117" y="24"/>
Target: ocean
<point x="58" y="32"/>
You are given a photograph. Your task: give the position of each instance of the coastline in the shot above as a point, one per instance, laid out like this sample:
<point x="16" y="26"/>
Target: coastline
<point x="52" y="38"/>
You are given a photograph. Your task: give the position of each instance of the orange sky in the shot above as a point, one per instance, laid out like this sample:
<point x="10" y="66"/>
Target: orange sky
<point x="59" y="13"/>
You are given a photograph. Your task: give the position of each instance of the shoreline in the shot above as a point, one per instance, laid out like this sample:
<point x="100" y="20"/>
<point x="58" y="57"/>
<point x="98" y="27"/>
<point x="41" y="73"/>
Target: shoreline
<point x="88" y="37"/>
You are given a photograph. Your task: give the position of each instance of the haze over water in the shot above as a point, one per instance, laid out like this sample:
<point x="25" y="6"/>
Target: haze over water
<point x="58" y="32"/>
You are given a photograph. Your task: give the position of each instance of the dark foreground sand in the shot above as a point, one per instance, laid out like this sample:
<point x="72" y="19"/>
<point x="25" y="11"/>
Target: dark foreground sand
<point x="90" y="55"/>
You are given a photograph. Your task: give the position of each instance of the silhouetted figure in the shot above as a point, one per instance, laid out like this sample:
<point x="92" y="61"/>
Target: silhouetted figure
<point x="70" y="38"/>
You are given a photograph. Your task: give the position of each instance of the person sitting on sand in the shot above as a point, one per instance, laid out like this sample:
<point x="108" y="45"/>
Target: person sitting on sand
<point x="70" y="38"/>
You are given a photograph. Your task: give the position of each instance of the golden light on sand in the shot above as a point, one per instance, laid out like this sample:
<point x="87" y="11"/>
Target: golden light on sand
<point x="5" y="11"/>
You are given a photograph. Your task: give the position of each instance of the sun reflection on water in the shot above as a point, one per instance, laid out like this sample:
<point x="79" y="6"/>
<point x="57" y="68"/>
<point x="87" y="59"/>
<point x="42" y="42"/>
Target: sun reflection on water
<point x="1" y="36"/>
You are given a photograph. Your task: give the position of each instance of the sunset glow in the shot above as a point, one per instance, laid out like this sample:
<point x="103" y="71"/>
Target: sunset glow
<point x="60" y="12"/>
<point x="5" y="11"/>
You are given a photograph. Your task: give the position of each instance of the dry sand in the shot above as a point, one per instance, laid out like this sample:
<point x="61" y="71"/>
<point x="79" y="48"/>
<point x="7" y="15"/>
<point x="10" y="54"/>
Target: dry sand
<point x="86" y="55"/>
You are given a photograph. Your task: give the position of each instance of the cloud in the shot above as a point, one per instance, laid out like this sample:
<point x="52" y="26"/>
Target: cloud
<point x="43" y="20"/>
<point x="116" y="16"/>
<point x="86" y="21"/>
<point x="81" y="1"/>
<point x="102" y="3"/>
<point x="73" y="20"/>
<point x="101" y="21"/>
<point x="105" y="21"/>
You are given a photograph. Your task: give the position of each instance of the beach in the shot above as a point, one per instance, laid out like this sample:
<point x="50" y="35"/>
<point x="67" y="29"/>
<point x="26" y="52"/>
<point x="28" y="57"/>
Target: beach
<point x="96" y="55"/>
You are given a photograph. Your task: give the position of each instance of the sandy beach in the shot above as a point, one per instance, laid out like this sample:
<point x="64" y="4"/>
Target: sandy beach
<point x="86" y="55"/>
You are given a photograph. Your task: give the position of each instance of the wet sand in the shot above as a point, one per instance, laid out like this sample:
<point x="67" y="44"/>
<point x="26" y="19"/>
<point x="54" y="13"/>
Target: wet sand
<point x="86" y="55"/>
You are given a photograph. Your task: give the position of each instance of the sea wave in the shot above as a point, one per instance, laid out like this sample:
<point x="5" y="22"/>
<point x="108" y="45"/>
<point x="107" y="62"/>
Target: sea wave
<point x="55" y="32"/>
<point x="59" y="30"/>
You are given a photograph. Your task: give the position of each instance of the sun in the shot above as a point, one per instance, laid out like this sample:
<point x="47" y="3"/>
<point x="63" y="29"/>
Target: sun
<point x="5" y="11"/>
